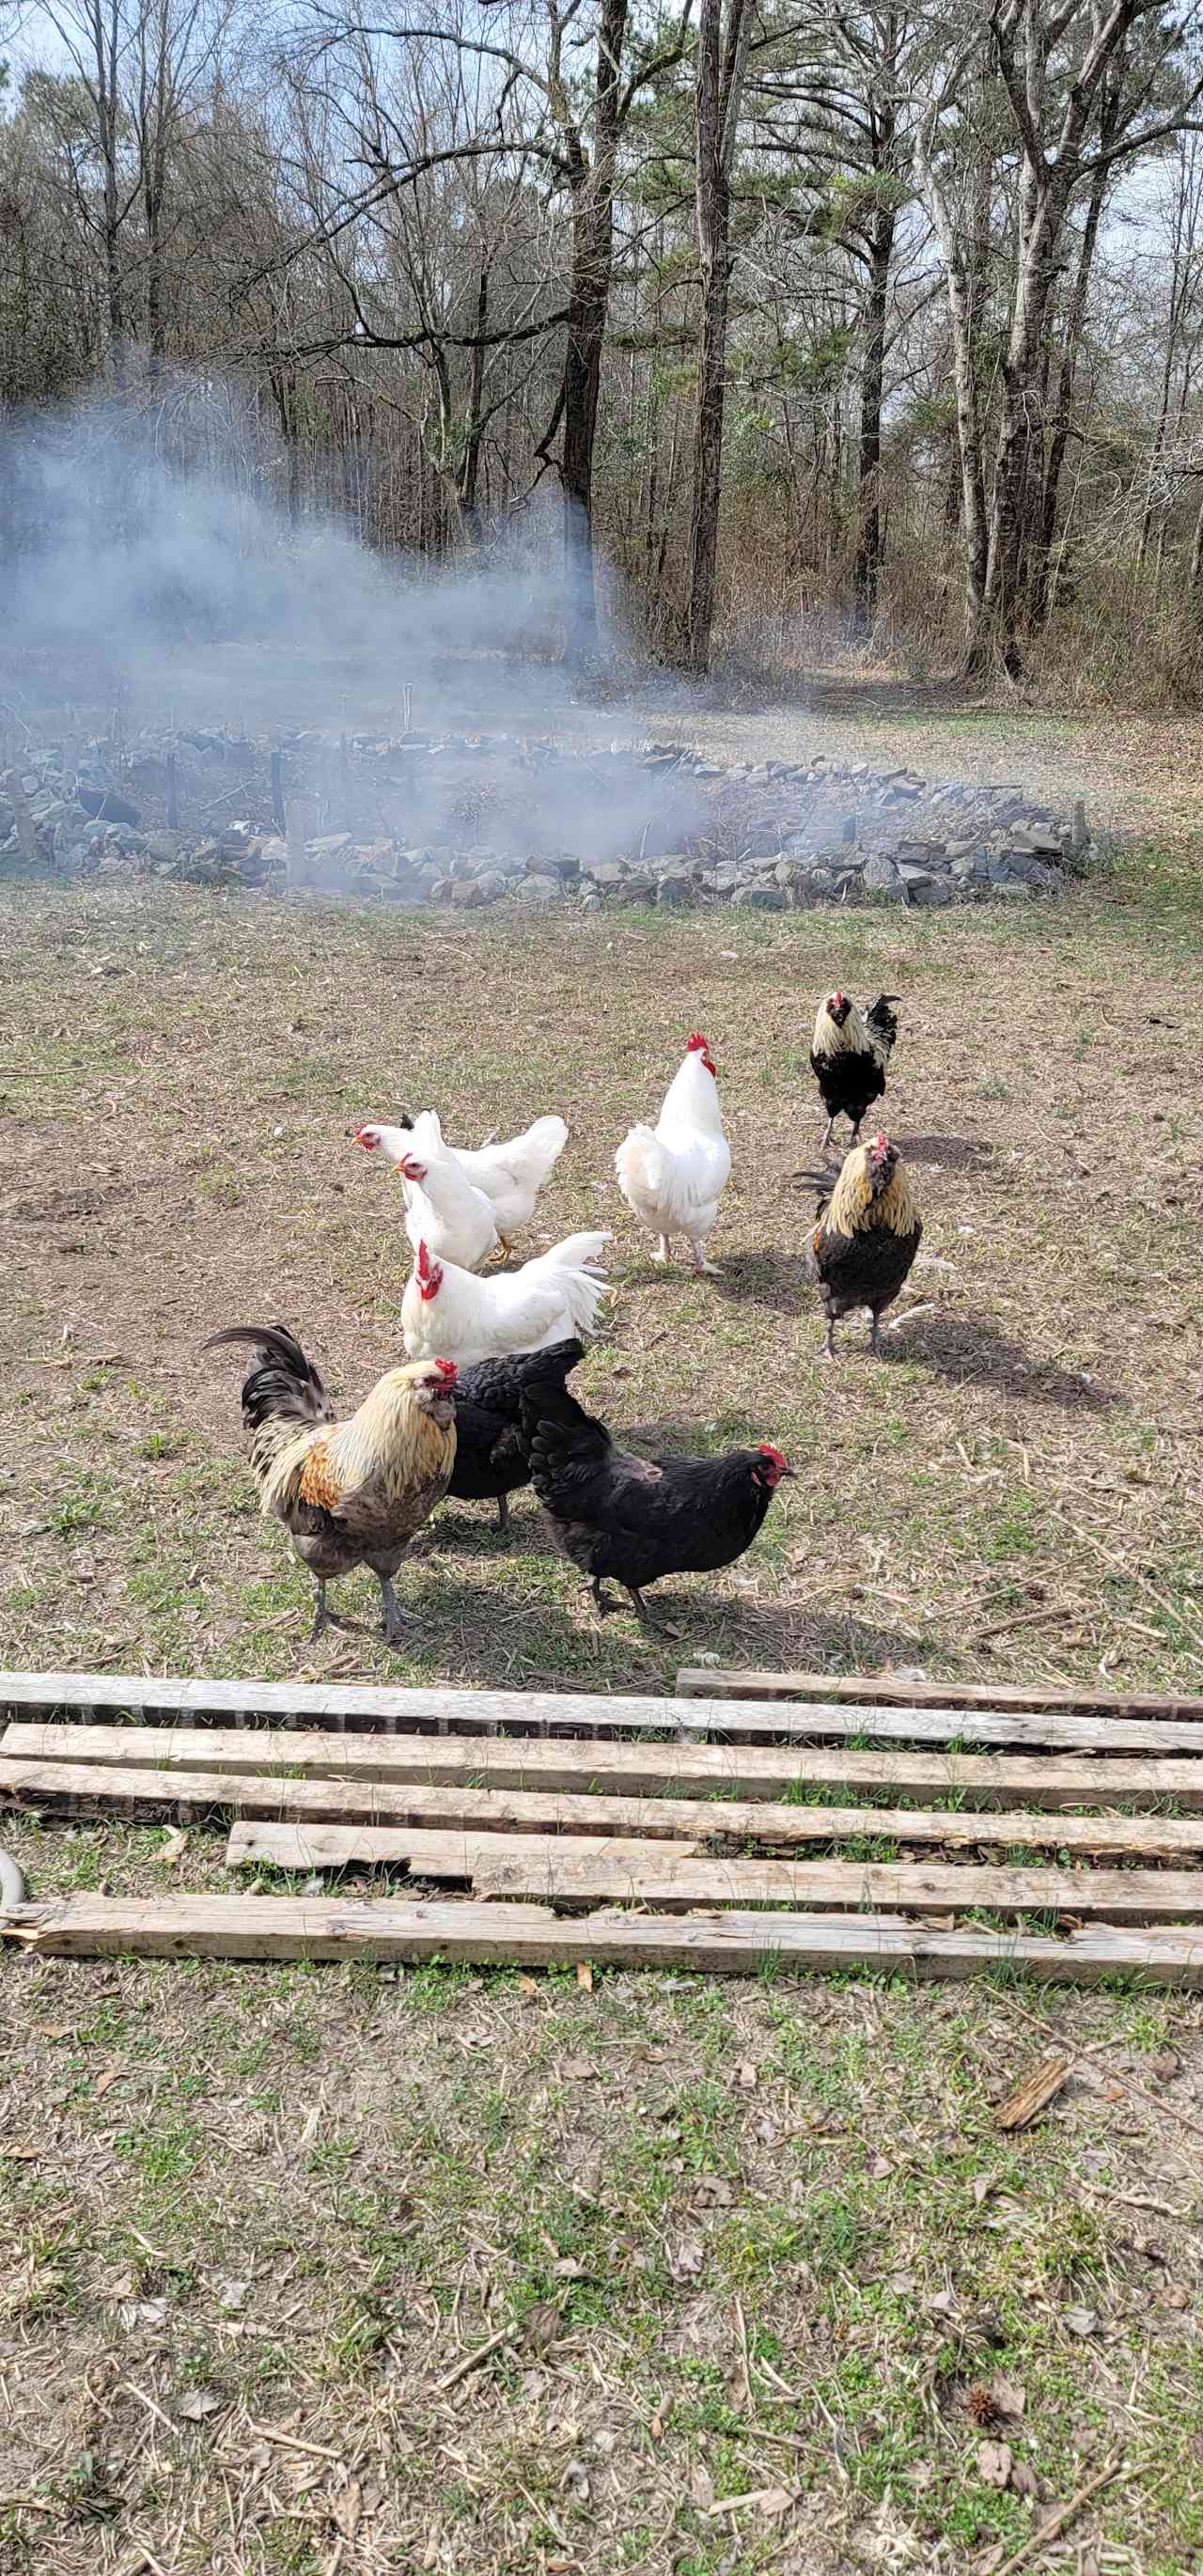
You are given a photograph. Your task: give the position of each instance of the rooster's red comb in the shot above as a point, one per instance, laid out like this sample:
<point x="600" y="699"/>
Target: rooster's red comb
<point x="696" y="1044"/>
<point x="447" y="1369"/>
<point x="422" y="1264"/>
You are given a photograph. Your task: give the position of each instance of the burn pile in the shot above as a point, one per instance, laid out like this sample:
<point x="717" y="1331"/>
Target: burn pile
<point x="473" y="820"/>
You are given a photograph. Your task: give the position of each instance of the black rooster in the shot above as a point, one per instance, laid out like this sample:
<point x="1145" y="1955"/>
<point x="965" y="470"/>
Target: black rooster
<point x="638" y="1519"/>
<point x="849" y="1055"/>
<point x="492" y="1459"/>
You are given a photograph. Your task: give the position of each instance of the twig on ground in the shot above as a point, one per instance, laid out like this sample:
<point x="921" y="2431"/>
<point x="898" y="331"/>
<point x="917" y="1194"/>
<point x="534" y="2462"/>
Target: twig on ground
<point x="293" y="2442"/>
<point x="1051" y="2528"/>
<point x="470" y="2360"/>
<point x="1029" y="1619"/>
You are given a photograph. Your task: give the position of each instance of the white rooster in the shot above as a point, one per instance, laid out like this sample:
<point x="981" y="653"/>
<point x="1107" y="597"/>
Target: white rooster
<point x="672" y="1176"/>
<point x="549" y="1300"/>
<point x="509" y="1175"/>
<point x="442" y="1209"/>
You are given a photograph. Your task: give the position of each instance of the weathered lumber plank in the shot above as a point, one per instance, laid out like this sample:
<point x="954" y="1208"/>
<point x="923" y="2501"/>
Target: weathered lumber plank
<point x="550" y="1714"/>
<point x="341" y="1928"/>
<point x="549" y="1867"/>
<point x="703" y="1684"/>
<point x="335" y="1799"/>
<point x="497" y="1762"/>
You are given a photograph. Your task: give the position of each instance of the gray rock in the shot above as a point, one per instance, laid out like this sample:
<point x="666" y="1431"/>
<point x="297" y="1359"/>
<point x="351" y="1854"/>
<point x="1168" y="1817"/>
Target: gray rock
<point x="540" y="890"/>
<point x="1013" y="890"/>
<point x="880" y="875"/>
<point x="566" y="869"/>
<point x="330" y="845"/>
<point x="639" y="889"/>
<point x="674" y="890"/>
<point x="934" y="890"/>
<point x="760" y="898"/>
<point x="609" y="874"/>
<point x="1025" y="864"/>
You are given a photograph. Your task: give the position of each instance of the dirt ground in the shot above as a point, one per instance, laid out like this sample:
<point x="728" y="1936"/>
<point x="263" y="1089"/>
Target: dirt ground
<point x="763" y="2286"/>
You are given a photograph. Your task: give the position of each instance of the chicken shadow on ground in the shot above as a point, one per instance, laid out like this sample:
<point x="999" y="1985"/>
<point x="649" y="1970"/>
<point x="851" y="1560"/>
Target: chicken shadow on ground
<point x="964" y="1347"/>
<point x="777" y="1280"/>
<point x="951" y="1153"/>
<point x="478" y="1634"/>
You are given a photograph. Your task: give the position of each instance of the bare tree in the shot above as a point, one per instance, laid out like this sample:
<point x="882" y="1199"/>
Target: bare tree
<point x="724" y="29"/>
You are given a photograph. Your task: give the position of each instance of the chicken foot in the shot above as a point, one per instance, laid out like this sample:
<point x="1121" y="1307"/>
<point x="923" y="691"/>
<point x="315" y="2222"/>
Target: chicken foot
<point x="703" y="1269"/>
<point x="503" y="1514"/>
<point x="647" y="1618"/>
<point x="324" y="1616"/>
<point x="663" y="1252"/>
<point x="393" y="1624"/>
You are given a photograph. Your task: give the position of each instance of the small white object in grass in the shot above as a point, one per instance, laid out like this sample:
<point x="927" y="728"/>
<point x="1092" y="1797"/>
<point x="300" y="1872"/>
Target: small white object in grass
<point x="277" y="1131"/>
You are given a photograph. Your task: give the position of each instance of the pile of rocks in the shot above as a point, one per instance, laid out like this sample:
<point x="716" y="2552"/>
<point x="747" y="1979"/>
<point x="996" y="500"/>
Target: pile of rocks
<point x="58" y="825"/>
<point x="769" y="837"/>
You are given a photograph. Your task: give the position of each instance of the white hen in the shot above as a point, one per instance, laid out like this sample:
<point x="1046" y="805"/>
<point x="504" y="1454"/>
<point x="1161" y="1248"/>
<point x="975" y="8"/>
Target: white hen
<point x="672" y="1176"/>
<point x="442" y="1209"/>
<point x="549" y="1300"/>
<point x="509" y="1175"/>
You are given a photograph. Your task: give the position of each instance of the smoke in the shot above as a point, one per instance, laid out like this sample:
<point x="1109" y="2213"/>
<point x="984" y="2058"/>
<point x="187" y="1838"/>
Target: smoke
<point x="153" y="542"/>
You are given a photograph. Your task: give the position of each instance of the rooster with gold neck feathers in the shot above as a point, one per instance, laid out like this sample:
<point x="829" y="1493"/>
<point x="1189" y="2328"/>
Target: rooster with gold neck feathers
<point x="868" y="1232"/>
<point x="849" y="1054"/>
<point x="349" y="1493"/>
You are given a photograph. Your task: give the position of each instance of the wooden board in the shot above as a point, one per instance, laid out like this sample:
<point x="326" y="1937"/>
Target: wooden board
<point x="340" y="1928"/>
<point x="543" y="1714"/>
<point x="702" y="1684"/>
<point x="187" y="1793"/>
<point x="666" y="1874"/>
<point x="624" y="1770"/>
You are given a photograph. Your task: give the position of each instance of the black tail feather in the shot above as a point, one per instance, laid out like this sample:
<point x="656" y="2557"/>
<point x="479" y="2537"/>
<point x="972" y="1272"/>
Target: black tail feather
<point x="559" y="1432"/>
<point x="880" y="1017"/>
<point x="281" y="1384"/>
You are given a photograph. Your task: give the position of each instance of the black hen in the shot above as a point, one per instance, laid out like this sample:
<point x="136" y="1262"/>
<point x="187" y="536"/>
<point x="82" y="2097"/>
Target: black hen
<point x="492" y="1459"/>
<point x="639" y="1519"/>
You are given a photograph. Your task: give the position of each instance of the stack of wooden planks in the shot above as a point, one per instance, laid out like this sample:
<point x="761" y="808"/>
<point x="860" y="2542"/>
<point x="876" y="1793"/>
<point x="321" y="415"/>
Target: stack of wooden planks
<point x="788" y="1818"/>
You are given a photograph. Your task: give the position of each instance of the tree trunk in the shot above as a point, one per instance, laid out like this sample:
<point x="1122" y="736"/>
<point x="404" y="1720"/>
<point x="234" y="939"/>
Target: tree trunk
<point x="588" y="302"/>
<point x="1043" y="586"/>
<point x="722" y="54"/>
<point x="1195" y="575"/>
<point x="474" y="426"/>
<point x="869" y="547"/>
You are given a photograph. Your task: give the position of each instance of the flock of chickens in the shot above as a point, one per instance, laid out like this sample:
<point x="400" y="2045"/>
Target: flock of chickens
<point x="483" y="1407"/>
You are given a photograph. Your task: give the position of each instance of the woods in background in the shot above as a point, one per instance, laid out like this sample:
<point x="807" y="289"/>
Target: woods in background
<point x="827" y="325"/>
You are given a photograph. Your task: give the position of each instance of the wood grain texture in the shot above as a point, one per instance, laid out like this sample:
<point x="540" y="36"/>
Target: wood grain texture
<point x="340" y="1928"/>
<point x="887" y="1716"/>
<point x="718" y="1771"/>
<point x="551" y="1867"/>
<point x="702" y="1684"/>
